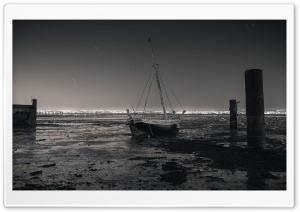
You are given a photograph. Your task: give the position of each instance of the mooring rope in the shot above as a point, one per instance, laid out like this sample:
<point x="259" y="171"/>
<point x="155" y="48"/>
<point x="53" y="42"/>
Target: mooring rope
<point x="150" y="129"/>
<point x="233" y="108"/>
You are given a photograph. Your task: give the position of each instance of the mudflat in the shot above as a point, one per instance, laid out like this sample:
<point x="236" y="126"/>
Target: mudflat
<point x="97" y="152"/>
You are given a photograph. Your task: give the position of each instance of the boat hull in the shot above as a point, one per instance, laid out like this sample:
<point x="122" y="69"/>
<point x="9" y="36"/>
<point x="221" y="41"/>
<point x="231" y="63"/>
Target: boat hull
<point x="153" y="129"/>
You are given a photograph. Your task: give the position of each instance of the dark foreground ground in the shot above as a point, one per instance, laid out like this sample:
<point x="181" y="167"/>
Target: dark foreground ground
<point x="98" y="153"/>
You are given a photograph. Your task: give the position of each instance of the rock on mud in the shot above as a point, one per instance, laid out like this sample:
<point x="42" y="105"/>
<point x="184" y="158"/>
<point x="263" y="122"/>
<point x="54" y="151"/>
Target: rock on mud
<point x="36" y="173"/>
<point x="48" y="165"/>
<point x="171" y="166"/>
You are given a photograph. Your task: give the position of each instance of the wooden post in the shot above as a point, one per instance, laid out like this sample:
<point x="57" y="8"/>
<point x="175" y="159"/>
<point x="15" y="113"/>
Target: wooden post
<point x="233" y="114"/>
<point x="34" y="106"/>
<point x="255" y="108"/>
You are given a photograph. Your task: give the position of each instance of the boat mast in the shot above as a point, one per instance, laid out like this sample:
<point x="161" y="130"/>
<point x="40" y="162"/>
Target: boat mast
<point x="155" y="69"/>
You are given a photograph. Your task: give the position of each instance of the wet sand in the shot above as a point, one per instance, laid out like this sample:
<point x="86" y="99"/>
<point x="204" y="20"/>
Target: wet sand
<point x="98" y="153"/>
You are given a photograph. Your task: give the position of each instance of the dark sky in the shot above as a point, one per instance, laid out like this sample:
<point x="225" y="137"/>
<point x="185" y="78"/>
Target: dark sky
<point x="105" y="64"/>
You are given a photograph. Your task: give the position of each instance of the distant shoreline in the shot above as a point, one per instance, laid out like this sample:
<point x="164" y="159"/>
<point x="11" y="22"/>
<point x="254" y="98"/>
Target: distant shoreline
<point x="149" y="114"/>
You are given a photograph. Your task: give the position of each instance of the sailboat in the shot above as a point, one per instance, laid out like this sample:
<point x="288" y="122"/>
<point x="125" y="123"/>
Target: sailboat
<point x="168" y="124"/>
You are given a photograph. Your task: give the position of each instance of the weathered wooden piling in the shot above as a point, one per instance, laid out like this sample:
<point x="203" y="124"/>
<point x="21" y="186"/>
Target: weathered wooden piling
<point x="34" y="111"/>
<point x="233" y="114"/>
<point x="255" y="108"/>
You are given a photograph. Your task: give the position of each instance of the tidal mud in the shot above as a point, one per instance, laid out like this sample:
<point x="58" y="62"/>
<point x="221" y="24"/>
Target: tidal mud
<point x="98" y="153"/>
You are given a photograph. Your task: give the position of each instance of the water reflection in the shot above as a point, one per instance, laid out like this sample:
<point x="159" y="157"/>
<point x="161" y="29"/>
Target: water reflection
<point x="233" y="135"/>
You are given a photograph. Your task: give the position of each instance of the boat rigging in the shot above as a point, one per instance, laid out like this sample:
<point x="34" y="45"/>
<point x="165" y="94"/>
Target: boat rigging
<point x="155" y="126"/>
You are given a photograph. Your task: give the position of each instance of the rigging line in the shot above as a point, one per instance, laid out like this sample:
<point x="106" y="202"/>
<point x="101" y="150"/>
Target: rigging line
<point x="166" y="93"/>
<point x="162" y="74"/>
<point x="148" y="93"/>
<point x="143" y="92"/>
<point x="156" y="99"/>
